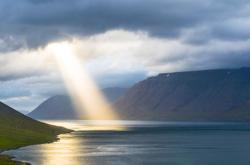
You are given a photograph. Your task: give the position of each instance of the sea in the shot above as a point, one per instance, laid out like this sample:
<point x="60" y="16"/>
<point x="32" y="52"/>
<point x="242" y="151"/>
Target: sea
<point x="142" y="143"/>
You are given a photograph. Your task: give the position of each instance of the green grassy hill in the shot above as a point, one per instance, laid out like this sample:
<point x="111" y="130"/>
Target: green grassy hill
<point x="17" y="130"/>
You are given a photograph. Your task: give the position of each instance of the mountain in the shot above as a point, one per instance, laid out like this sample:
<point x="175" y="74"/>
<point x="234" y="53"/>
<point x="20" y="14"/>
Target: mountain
<point x="17" y="130"/>
<point x="61" y="107"/>
<point x="209" y="95"/>
<point x="56" y="107"/>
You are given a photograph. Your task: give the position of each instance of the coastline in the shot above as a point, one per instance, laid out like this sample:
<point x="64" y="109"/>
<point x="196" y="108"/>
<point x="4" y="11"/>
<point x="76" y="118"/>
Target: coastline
<point x="9" y="160"/>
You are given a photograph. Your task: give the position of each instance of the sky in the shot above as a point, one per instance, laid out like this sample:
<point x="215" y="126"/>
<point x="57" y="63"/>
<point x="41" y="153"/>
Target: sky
<point x="118" y="42"/>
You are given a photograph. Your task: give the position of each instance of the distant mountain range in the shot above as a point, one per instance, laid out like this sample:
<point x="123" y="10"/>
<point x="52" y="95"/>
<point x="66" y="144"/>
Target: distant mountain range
<point x="208" y="95"/>
<point x="61" y="106"/>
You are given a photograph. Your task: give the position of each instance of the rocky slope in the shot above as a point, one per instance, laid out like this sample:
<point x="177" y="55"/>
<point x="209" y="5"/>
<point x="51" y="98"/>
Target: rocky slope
<point x="209" y="95"/>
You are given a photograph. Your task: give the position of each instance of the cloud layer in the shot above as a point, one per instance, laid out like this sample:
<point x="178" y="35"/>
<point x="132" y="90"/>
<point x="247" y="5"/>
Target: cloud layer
<point x="36" y="22"/>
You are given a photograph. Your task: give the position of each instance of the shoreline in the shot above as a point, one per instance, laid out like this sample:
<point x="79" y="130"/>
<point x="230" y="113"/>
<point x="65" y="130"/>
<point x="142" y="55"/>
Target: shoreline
<point x="11" y="159"/>
<point x="19" y="162"/>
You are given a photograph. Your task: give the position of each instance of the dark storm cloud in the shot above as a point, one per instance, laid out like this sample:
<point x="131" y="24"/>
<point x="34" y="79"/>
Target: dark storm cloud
<point x="38" y="22"/>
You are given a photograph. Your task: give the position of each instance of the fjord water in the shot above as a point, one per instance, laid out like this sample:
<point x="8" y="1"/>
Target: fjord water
<point x="143" y="143"/>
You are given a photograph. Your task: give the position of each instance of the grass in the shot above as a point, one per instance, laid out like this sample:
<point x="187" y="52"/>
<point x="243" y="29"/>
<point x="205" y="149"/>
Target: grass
<point x="17" y="130"/>
<point x="6" y="160"/>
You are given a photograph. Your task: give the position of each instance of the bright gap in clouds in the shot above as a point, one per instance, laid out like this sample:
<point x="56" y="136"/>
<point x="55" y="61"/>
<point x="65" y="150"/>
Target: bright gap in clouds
<point x="87" y="97"/>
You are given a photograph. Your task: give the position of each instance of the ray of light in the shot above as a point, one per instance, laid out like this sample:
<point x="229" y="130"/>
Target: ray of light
<point x="87" y="97"/>
<point x="81" y="87"/>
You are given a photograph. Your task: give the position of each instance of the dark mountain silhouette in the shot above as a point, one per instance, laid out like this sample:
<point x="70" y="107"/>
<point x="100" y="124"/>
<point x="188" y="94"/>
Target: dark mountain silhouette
<point x="209" y="95"/>
<point x="61" y="106"/>
<point x="56" y="107"/>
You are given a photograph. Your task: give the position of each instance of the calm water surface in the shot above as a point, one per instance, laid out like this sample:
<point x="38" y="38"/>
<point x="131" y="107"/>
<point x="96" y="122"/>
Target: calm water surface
<point x="143" y="143"/>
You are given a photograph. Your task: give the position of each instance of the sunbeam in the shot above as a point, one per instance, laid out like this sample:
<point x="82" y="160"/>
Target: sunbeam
<point x="87" y="97"/>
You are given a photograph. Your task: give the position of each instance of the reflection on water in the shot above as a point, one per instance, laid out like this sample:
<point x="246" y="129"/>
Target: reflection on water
<point x="61" y="152"/>
<point x="91" y="125"/>
<point x="143" y="143"/>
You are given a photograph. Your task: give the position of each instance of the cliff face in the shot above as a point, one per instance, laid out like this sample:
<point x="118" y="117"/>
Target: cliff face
<point x="210" y="95"/>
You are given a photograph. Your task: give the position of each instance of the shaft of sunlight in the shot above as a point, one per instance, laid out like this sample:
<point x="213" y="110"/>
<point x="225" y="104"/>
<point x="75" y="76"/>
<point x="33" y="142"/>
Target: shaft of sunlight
<point x="87" y="97"/>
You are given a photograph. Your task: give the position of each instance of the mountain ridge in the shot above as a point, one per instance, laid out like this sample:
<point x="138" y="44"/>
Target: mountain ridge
<point x="207" y="95"/>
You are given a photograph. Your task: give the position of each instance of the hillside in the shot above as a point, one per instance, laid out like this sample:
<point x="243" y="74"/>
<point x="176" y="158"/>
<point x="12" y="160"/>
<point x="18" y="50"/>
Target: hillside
<point x="61" y="107"/>
<point x="209" y="95"/>
<point x="17" y="130"/>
